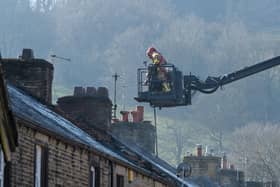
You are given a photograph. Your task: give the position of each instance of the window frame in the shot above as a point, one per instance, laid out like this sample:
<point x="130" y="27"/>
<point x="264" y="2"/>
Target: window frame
<point x="94" y="176"/>
<point x="40" y="165"/>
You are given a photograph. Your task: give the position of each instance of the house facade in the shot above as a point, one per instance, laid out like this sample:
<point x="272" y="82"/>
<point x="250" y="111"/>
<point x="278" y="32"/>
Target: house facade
<point x="215" y="168"/>
<point x="58" y="147"/>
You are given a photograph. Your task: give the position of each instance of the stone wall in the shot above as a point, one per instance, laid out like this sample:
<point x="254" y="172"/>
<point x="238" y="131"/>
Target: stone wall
<point x="204" y="166"/>
<point x="68" y="164"/>
<point x="88" y="106"/>
<point x="32" y="75"/>
<point x="231" y="178"/>
<point x="142" y="133"/>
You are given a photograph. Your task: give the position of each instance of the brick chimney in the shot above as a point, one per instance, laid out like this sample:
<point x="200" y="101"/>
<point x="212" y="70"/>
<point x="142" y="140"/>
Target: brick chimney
<point x="88" y="106"/>
<point x="30" y="74"/>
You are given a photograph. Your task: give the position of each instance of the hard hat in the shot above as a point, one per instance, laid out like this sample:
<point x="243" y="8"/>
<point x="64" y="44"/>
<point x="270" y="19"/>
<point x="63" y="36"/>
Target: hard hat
<point x="149" y="51"/>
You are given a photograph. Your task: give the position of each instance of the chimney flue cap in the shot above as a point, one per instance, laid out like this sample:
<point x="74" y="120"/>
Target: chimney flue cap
<point x="27" y="54"/>
<point x="199" y="150"/>
<point x="102" y="91"/>
<point x="79" y="91"/>
<point x="91" y="91"/>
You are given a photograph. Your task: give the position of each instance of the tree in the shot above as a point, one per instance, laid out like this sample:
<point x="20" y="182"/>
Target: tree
<point x="256" y="149"/>
<point x="177" y="138"/>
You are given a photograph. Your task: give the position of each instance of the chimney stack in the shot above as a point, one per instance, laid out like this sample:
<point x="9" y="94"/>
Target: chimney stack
<point x="199" y="150"/>
<point x="31" y="74"/>
<point x="88" y="106"/>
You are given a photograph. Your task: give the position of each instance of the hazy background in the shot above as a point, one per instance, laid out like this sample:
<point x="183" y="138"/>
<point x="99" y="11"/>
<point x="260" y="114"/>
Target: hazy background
<point x="203" y="37"/>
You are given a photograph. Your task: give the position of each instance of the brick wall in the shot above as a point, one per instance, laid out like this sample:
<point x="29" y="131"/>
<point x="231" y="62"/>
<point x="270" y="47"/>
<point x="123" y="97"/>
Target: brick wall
<point x="142" y="133"/>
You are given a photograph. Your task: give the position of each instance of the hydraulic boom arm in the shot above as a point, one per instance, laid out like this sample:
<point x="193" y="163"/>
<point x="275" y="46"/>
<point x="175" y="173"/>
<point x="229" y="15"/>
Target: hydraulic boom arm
<point x="213" y="83"/>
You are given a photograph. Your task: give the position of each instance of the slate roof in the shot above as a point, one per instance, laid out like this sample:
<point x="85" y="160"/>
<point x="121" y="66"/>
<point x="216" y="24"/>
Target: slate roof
<point x="28" y="108"/>
<point x="158" y="164"/>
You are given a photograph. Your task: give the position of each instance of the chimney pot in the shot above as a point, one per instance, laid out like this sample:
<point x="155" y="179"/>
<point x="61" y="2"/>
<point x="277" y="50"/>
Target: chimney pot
<point x="124" y="115"/>
<point x="79" y="91"/>
<point x="224" y="161"/>
<point x="91" y="91"/>
<point x="140" y="110"/>
<point x="135" y="116"/>
<point x="27" y="54"/>
<point x="103" y="92"/>
<point x="199" y="150"/>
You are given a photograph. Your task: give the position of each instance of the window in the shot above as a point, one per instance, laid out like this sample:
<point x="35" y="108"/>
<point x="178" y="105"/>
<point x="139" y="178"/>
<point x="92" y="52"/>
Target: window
<point x="2" y="166"/>
<point x="130" y="175"/>
<point x="38" y="166"/>
<point x="111" y="174"/>
<point x="120" y="181"/>
<point x="94" y="176"/>
<point x="41" y="159"/>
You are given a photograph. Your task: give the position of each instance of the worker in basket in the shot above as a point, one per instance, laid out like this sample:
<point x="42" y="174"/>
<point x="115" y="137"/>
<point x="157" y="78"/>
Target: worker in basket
<point x="158" y="60"/>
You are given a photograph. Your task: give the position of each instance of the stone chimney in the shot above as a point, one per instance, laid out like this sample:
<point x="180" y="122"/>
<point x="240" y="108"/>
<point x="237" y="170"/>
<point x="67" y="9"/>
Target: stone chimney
<point x="88" y="106"/>
<point x="31" y="74"/>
